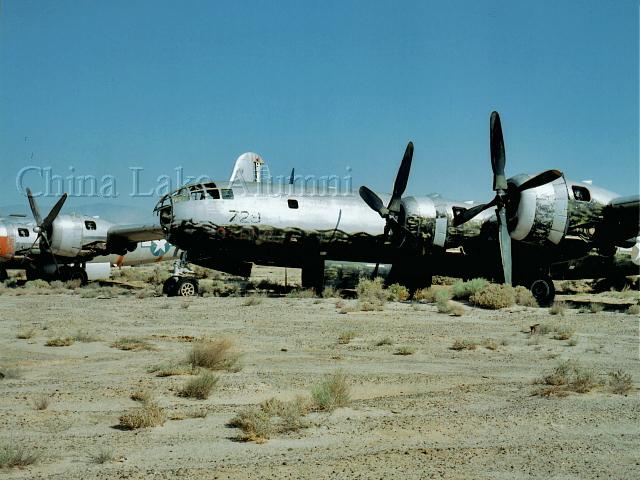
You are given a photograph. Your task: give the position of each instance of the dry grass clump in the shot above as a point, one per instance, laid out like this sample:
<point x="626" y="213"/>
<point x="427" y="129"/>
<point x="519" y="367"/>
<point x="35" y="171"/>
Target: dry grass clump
<point x="346" y="337"/>
<point x="596" y="307"/>
<point x="104" y="455"/>
<point x="494" y="297"/>
<point x="132" y="343"/>
<point x="371" y="294"/>
<point x="464" y="345"/>
<point x="563" y="332"/>
<point x="490" y="344"/>
<point x="302" y="293"/>
<point x="85" y="337"/>
<point x="463" y="290"/>
<point x="252" y="300"/>
<point x="558" y="308"/>
<point x="26" y="333"/>
<point x="397" y="293"/>
<point x="143" y="396"/>
<point x="255" y="424"/>
<point x="567" y="377"/>
<point x="41" y="402"/>
<point x="633" y="310"/>
<point x="16" y="456"/>
<point x="620" y="382"/>
<point x="171" y="369"/>
<point x="405" y="351"/>
<point x="524" y="297"/>
<point x="199" y="387"/>
<point x="384" y="341"/>
<point x="147" y="415"/>
<point x="59" y="342"/>
<point x="330" y="292"/>
<point x="215" y="355"/>
<point x="427" y="295"/>
<point x="333" y="392"/>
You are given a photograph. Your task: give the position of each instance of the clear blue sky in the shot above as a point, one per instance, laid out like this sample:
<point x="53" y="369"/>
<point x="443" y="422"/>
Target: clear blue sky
<point x="103" y="86"/>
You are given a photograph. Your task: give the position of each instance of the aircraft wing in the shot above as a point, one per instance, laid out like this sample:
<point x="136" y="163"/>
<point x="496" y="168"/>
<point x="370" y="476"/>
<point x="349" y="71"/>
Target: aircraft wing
<point x="123" y="238"/>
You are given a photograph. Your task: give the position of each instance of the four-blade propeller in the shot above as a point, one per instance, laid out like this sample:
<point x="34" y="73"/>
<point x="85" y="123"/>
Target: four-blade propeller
<point x="505" y="194"/>
<point x="44" y="228"/>
<point x="392" y="210"/>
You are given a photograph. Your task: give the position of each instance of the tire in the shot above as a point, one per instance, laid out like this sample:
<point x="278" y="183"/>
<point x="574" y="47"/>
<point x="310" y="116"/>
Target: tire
<point x="543" y="291"/>
<point x="80" y="274"/>
<point x="187" y="287"/>
<point x="170" y="286"/>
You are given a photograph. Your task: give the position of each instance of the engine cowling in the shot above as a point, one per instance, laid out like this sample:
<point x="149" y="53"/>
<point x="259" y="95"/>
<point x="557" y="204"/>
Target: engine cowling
<point x="541" y="215"/>
<point x="419" y="216"/>
<point x="66" y="236"/>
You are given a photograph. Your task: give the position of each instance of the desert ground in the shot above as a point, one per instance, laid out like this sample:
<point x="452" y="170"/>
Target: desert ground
<point x="434" y="412"/>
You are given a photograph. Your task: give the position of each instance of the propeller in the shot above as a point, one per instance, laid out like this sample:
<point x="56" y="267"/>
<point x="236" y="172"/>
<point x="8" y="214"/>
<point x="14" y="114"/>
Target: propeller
<point x="44" y="227"/>
<point x="392" y="210"/>
<point x="505" y="195"/>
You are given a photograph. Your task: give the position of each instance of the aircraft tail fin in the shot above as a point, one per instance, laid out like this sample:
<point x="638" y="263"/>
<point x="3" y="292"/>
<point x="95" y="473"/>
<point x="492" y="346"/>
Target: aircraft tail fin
<point x="249" y="167"/>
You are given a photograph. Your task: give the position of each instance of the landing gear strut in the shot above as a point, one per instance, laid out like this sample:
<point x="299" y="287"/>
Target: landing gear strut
<point x="181" y="283"/>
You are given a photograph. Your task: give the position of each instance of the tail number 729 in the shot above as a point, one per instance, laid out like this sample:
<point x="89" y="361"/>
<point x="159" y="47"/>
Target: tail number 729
<point x="243" y="216"/>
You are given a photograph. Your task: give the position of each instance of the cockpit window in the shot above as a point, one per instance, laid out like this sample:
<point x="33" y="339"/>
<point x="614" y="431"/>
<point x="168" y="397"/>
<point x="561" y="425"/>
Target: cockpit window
<point x="23" y="232"/>
<point x="227" y="193"/>
<point x="213" y="193"/>
<point x="90" y="225"/>
<point x="581" y="193"/>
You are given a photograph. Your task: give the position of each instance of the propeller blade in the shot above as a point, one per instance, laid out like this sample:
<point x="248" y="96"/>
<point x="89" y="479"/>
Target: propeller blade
<point x="541" y="179"/>
<point x="293" y="176"/>
<point x="34" y="208"/>
<point x="498" y="157"/>
<point x="374" y="201"/>
<point x="505" y="244"/>
<point x="401" y="179"/>
<point x="48" y="221"/>
<point x="469" y="213"/>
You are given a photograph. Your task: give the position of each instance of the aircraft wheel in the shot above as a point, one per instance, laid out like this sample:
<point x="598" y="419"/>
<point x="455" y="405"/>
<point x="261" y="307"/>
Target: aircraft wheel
<point x="77" y="273"/>
<point x="187" y="287"/>
<point x="3" y="274"/>
<point x="543" y="291"/>
<point x="169" y="288"/>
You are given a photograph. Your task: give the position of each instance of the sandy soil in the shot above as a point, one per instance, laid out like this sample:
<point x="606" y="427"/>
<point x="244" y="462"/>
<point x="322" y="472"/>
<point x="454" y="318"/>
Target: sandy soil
<point x="438" y="413"/>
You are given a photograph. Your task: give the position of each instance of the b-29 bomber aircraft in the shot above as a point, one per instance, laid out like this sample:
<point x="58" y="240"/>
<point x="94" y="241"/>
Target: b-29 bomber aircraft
<point x="532" y="222"/>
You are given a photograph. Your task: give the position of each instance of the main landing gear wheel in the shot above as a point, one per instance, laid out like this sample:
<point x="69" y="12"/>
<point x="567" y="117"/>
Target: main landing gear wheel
<point x="180" y="287"/>
<point x="74" y="273"/>
<point x="543" y="291"/>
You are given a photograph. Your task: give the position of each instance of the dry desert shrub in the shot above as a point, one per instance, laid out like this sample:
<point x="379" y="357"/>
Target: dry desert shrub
<point x="427" y="295"/>
<point x="397" y="293"/>
<point x="85" y="337"/>
<point x="405" y="351"/>
<point x="464" y="345"/>
<point x="563" y="332"/>
<point x="524" y="297"/>
<point x="330" y="292"/>
<point x="302" y="293"/>
<point x="215" y="355"/>
<point x="490" y="344"/>
<point x="371" y="294"/>
<point x="26" y="333"/>
<point x="147" y="415"/>
<point x="199" y="387"/>
<point x="558" y="308"/>
<point x="41" y="402"/>
<point x="384" y="341"/>
<point x="463" y="290"/>
<point x="59" y="342"/>
<point x="255" y="424"/>
<point x="331" y="393"/>
<point x="132" y="343"/>
<point x="346" y="337"/>
<point x="494" y="297"/>
<point x="171" y="369"/>
<point x="620" y="382"/>
<point x="252" y="300"/>
<point x="102" y="456"/>
<point x="567" y="377"/>
<point x="143" y="396"/>
<point x="596" y="307"/>
<point x="633" y="310"/>
<point x="16" y="456"/>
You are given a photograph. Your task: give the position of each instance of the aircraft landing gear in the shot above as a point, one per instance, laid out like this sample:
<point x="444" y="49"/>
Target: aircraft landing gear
<point x="73" y="273"/>
<point x="543" y="290"/>
<point x="181" y="283"/>
<point x="313" y="275"/>
<point x="3" y="274"/>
